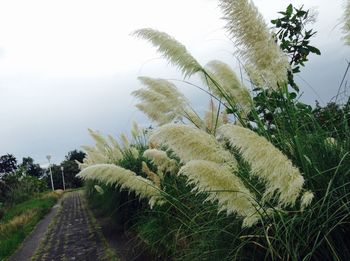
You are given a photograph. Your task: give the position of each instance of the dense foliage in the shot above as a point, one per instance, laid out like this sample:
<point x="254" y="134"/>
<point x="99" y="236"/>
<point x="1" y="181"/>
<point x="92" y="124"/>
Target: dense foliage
<point x="18" y="182"/>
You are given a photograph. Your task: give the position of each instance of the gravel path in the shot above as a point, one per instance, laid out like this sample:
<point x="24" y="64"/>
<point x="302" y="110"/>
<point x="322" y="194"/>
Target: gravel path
<point x="73" y="235"/>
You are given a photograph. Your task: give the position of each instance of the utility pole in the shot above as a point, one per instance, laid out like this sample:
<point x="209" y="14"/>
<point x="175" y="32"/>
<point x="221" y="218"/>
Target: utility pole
<point x="64" y="185"/>
<point x="48" y="158"/>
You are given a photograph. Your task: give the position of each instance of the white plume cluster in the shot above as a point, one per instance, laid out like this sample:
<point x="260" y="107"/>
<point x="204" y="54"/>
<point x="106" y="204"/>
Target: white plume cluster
<point x="160" y="100"/>
<point x="346" y="23"/>
<point x="257" y="47"/>
<point x="267" y="163"/>
<point x="223" y="187"/>
<point x="161" y="160"/>
<point x="190" y="143"/>
<point x="171" y="49"/>
<point x="104" y="151"/>
<point x="111" y="174"/>
<point x="225" y="84"/>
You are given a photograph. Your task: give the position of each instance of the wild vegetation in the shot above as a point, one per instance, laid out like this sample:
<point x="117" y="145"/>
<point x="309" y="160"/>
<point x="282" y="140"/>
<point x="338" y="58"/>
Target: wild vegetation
<point x="19" y="220"/>
<point x="260" y="176"/>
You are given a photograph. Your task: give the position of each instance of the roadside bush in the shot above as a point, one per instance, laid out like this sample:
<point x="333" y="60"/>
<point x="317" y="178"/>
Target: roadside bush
<point x="25" y="188"/>
<point x="16" y="188"/>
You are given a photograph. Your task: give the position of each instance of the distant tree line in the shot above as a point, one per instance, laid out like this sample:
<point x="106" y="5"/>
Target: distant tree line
<point x="18" y="181"/>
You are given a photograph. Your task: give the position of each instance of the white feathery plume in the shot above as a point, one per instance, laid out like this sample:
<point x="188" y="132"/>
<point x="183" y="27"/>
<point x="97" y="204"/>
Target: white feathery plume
<point x="160" y="101"/>
<point x="93" y="156"/>
<point x="99" y="189"/>
<point x="156" y="115"/>
<point x="306" y="199"/>
<point x="190" y="143"/>
<point x="346" y="21"/>
<point x="330" y="141"/>
<point x="171" y="49"/>
<point x="134" y="152"/>
<point x="163" y="87"/>
<point x="254" y="75"/>
<point x="111" y="174"/>
<point x="114" y="143"/>
<point x="151" y="96"/>
<point x="125" y="141"/>
<point x="101" y="153"/>
<point x="101" y="143"/>
<point x="267" y="162"/>
<point x="135" y="130"/>
<point x="257" y="46"/>
<point x="116" y="150"/>
<point x="161" y="160"/>
<point x="227" y="86"/>
<point x="222" y="186"/>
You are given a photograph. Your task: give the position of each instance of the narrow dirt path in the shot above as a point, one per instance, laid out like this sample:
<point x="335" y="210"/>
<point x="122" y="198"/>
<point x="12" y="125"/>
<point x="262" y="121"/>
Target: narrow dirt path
<point x="73" y="235"/>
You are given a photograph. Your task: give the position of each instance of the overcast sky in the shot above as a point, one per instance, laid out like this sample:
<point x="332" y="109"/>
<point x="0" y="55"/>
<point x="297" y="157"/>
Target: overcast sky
<point x="69" y="65"/>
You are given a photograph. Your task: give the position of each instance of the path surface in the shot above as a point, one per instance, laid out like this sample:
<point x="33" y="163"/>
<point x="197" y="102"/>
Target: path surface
<point x="73" y="234"/>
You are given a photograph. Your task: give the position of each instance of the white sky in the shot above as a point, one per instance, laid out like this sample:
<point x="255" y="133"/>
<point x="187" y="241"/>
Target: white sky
<point x="66" y="66"/>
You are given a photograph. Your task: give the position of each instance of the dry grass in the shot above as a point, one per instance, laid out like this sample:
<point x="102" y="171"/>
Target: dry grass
<point x="18" y="222"/>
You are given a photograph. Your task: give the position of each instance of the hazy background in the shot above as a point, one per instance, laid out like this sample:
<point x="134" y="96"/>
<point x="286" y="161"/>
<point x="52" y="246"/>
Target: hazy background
<point x="66" y="66"/>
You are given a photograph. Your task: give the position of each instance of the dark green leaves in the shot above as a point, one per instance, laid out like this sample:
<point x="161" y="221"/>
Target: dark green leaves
<point x="289" y="10"/>
<point x="313" y="49"/>
<point x="294" y="39"/>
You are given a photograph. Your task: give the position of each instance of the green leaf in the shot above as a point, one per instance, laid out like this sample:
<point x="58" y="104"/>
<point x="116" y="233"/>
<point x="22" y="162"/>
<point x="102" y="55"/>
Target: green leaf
<point x="301" y="13"/>
<point x="289" y="10"/>
<point x="292" y="95"/>
<point x="296" y="69"/>
<point x="314" y="49"/>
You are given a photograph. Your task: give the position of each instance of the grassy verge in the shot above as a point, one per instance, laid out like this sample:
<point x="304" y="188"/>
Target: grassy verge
<point x="19" y="220"/>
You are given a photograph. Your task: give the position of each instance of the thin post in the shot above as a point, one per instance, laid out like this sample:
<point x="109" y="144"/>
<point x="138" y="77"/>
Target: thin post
<point x="64" y="185"/>
<point x="48" y="158"/>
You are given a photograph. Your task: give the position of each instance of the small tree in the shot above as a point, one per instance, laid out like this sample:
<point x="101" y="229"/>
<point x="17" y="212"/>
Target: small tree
<point x="30" y="168"/>
<point x="8" y="164"/>
<point x="294" y="38"/>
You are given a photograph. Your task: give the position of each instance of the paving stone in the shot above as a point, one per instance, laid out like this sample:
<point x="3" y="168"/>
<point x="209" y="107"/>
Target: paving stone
<point x="73" y="235"/>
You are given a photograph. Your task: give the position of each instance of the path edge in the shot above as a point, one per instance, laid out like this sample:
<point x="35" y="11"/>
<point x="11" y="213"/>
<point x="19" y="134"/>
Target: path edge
<point x="31" y="243"/>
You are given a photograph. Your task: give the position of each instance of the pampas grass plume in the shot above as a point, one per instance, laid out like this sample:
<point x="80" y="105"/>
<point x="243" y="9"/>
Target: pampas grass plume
<point x="227" y="86"/>
<point x="171" y="49"/>
<point x="190" y="143"/>
<point x="346" y="23"/>
<point x="257" y="46"/>
<point x="223" y="187"/>
<point x="111" y="174"/>
<point x="267" y="162"/>
<point x="161" y="160"/>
